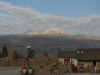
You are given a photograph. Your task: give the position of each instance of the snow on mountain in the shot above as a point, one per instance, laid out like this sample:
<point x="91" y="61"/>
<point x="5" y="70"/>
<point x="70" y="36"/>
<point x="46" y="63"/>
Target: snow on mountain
<point x="56" y="31"/>
<point x="53" y="31"/>
<point x="31" y="32"/>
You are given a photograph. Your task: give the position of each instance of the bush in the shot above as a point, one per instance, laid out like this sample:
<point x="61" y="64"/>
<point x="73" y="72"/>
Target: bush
<point x="30" y="67"/>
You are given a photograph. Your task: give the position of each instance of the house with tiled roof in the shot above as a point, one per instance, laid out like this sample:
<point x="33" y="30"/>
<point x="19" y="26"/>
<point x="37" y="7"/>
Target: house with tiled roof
<point x="85" y="56"/>
<point x="67" y="58"/>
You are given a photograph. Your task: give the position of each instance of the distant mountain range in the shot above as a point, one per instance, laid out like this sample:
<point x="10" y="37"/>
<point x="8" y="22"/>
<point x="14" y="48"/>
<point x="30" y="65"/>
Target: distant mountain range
<point x="60" y="32"/>
<point x="53" y="31"/>
<point x="51" y="41"/>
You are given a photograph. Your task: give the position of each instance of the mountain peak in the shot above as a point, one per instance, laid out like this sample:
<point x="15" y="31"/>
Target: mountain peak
<point x="56" y="31"/>
<point x="31" y="32"/>
<point x="52" y="31"/>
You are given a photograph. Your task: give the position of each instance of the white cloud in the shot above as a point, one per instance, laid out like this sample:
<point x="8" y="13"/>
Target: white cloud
<point x="33" y="0"/>
<point x="14" y="19"/>
<point x="82" y="4"/>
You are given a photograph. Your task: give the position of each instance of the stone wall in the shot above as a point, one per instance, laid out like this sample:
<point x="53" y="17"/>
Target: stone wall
<point x="18" y="62"/>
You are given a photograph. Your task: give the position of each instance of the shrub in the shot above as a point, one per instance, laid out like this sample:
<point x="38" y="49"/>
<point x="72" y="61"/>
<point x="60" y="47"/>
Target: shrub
<point x="30" y="67"/>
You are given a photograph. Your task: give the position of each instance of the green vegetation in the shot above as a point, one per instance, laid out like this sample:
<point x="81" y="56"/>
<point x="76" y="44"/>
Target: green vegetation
<point x="16" y="55"/>
<point x="4" y="51"/>
<point x="0" y="55"/>
<point x="32" y="52"/>
<point x="45" y="54"/>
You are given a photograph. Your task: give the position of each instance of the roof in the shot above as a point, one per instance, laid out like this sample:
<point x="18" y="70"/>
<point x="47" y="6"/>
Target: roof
<point x="88" y="54"/>
<point x="68" y="54"/>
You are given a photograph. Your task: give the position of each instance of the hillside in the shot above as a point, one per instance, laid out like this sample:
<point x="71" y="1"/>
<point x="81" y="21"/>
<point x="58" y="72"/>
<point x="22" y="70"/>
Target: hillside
<point x="50" y="44"/>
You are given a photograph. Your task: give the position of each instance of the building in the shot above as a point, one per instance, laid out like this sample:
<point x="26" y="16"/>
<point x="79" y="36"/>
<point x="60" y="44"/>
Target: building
<point x="90" y="56"/>
<point x="67" y="58"/>
<point x="85" y="56"/>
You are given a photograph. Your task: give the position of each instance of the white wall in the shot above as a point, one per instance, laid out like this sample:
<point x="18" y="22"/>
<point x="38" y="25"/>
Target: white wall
<point x="90" y="63"/>
<point x="75" y="61"/>
<point x="61" y="61"/>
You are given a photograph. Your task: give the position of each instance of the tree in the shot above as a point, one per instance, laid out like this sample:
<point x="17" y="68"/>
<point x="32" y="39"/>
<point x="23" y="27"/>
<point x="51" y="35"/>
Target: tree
<point x="45" y="54"/>
<point x="4" y="51"/>
<point x="0" y="55"/>
<point x="31" y="53"/>
<point x="16" y="55"/>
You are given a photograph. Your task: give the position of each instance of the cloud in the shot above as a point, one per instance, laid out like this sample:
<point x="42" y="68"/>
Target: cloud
<point x="14" y="19"/>
<point x="82" y="4"/>
<point x="33" y="0"/>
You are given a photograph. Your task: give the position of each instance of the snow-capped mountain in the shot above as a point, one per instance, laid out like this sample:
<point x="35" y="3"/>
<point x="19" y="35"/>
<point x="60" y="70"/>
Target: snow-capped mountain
<point x="60" y="32"/>
<point x="53" y="31"/>
<point x="56" y="31"/>
<point x="31" y="32"/>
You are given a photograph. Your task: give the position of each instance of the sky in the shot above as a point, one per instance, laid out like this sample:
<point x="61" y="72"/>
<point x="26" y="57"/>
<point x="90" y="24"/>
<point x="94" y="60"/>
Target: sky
<point x="74" y="16"/>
